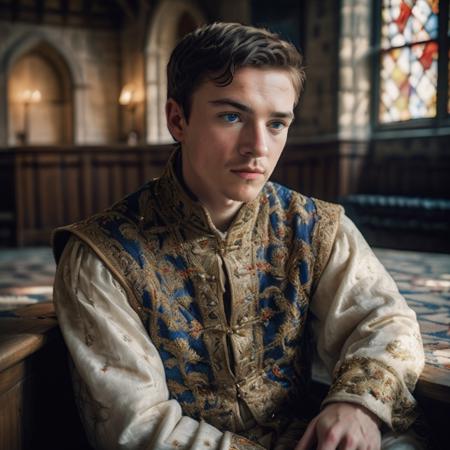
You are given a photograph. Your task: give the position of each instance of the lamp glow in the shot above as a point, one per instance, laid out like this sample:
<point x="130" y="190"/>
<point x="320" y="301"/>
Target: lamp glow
<point x="31" y="96"/>
<point x="126" y="95"/>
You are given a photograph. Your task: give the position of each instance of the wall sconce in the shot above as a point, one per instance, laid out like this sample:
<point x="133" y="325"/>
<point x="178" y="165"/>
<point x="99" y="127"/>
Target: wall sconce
<point x="28" y="97"/>
<point x="127" y="99"/>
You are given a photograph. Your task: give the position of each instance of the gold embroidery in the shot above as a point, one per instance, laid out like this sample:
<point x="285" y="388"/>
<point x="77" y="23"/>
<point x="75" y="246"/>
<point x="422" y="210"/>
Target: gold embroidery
<point x="324" y="234"/>
<point x="366" y="376"/>
<point x="241" y="443"/>
<point x="180" y="265"/>
<point x="395" y="349"/>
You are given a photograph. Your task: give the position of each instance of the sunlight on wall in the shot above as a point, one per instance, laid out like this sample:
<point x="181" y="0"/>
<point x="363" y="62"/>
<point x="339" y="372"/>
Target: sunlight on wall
<point x="354" y="91"/>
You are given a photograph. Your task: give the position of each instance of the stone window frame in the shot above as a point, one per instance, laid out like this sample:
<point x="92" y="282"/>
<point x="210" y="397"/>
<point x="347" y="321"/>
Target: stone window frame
<point x="440" y="124"/>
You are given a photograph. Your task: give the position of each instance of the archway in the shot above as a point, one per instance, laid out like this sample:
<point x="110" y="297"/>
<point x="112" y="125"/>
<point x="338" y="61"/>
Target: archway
<point x="62" y="59"/>
<point x="172" y="20"/>
<point x="40" y="103"/>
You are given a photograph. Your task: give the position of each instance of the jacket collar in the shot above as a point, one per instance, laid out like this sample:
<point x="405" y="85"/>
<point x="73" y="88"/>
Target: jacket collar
<point x="179" y="207"/>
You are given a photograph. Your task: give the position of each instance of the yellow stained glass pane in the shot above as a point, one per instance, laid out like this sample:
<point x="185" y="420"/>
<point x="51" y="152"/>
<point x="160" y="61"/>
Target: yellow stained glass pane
<point x="408" y="83"/>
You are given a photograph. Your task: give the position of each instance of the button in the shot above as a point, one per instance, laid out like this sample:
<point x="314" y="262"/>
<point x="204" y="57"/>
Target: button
<point x="240" y="272"/>
<point x="212" y="303"/>
<point x="229" y="332"/>
<point x="239" y="395"/>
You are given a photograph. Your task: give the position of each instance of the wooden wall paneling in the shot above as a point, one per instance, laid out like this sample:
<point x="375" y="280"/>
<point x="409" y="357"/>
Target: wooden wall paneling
<point x="10" y="418"/>
<point x="440" y="177"/>
<point x="50" y="196"/>
<point x="292" y="176"/>
<point x="8" y="192"/>
<point x="149" y="171"/>
<point x="306" y="178"/>
<point x="86" y="184"/>
<point x="154" y="161"/>
<point x="330" y="179"/>
<point x="99" y="189"/>
<point x="345" y="170"/>
<point x="135" y="173"/>
<point x="117" y="167"/>
<point x="35" y="203"/>
<point x="71" y="192"/>
<point x="409" y="178"/>
<point x="19" y="183"/>
<point x="26" y="189"/>
<point x="288" y="176"/>
<point x="356" y="163"/>
<point x="55" y="186"/>
<point x="11" y="400"/>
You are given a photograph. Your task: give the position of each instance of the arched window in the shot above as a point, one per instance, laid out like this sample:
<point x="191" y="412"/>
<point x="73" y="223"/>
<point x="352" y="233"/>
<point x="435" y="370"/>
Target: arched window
<point x="171" y="21"/>
<point x="412" y="63"/>
<point x="40" y="99"/>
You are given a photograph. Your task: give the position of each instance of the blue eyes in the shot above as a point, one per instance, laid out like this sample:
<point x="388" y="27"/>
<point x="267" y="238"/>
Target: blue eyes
<point x="231" y="117"/>
<point x="277" y="125"/>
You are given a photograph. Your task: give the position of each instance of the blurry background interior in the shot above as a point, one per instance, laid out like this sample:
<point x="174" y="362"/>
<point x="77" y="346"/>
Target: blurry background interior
<point x="82" y="93"/>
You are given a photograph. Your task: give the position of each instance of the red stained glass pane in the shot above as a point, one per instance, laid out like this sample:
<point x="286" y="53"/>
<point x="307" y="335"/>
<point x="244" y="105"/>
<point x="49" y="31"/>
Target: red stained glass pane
<point x="408" y="21"/>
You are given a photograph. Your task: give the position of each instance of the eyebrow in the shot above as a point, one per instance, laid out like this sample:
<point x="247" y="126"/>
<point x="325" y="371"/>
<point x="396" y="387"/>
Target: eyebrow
<point x="245" y="108"/>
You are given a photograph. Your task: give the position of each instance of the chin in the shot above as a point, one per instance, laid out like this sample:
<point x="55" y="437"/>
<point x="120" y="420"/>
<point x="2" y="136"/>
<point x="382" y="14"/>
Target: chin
<point x="246" y="195"/>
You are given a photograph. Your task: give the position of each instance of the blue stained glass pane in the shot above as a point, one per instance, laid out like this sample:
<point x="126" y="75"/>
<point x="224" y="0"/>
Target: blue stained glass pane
<point x="432" y="26"/>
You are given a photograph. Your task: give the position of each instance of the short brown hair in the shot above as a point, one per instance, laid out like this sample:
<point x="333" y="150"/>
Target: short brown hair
<point x="217" y="50"/>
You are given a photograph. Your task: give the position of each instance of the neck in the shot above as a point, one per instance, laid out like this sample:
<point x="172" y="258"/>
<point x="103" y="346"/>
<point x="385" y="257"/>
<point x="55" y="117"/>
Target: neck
<point x="222" y="216"/>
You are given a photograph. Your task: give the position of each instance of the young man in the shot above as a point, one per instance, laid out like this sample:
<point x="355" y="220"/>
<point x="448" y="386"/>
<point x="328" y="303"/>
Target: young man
<point x="190" y="306"/>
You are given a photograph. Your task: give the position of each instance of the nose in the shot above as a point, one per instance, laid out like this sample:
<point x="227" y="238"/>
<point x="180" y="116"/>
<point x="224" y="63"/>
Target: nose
<point x="255" y="140"/>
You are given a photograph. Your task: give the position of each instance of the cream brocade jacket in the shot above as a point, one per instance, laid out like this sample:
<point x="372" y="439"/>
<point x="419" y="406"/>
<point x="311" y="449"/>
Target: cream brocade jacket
<point x="184" y="338"/>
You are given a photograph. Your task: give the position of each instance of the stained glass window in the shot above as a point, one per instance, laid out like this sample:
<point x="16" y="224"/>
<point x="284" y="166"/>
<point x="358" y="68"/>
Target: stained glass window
<point x="408" y="60"/>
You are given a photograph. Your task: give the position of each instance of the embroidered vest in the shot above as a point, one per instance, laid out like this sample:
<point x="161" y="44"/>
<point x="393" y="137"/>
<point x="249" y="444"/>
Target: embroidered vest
<point x="227" y="315"/>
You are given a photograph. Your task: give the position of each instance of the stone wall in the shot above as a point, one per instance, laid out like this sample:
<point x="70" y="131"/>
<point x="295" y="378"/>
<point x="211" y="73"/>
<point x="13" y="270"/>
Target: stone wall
<point x="92" y="59"/>
<point x="317" y="111"/>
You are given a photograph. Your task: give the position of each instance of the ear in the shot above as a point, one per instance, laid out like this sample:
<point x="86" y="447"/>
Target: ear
<point x="176" y="122"/>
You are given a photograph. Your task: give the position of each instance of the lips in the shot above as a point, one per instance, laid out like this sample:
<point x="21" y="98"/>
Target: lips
<point x="257" y="170"/>
<point x="249" y="173"/>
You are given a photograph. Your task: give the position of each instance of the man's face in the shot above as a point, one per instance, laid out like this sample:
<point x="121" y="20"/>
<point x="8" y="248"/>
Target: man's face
<point x="235" y="135"/>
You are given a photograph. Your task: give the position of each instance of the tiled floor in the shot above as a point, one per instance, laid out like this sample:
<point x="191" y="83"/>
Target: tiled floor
<point x="26" y="276"/>
<point x="424" y="280"/>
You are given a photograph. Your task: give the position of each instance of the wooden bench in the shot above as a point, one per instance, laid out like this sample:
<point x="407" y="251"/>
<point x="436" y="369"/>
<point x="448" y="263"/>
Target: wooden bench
<point x="37" y="409"/>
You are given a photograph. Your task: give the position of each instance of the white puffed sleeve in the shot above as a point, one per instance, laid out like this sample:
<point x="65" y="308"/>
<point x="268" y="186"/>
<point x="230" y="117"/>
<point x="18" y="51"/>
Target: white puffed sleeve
<point x="119" y="379"/>
<point x="367" y="336"/>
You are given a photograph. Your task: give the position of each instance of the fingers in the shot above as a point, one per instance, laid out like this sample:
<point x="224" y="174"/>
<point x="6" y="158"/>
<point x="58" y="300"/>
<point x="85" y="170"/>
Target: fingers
<point x="330" y="436"/>
<point x="309" y="438"/>
<point x="341" y="427"/>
